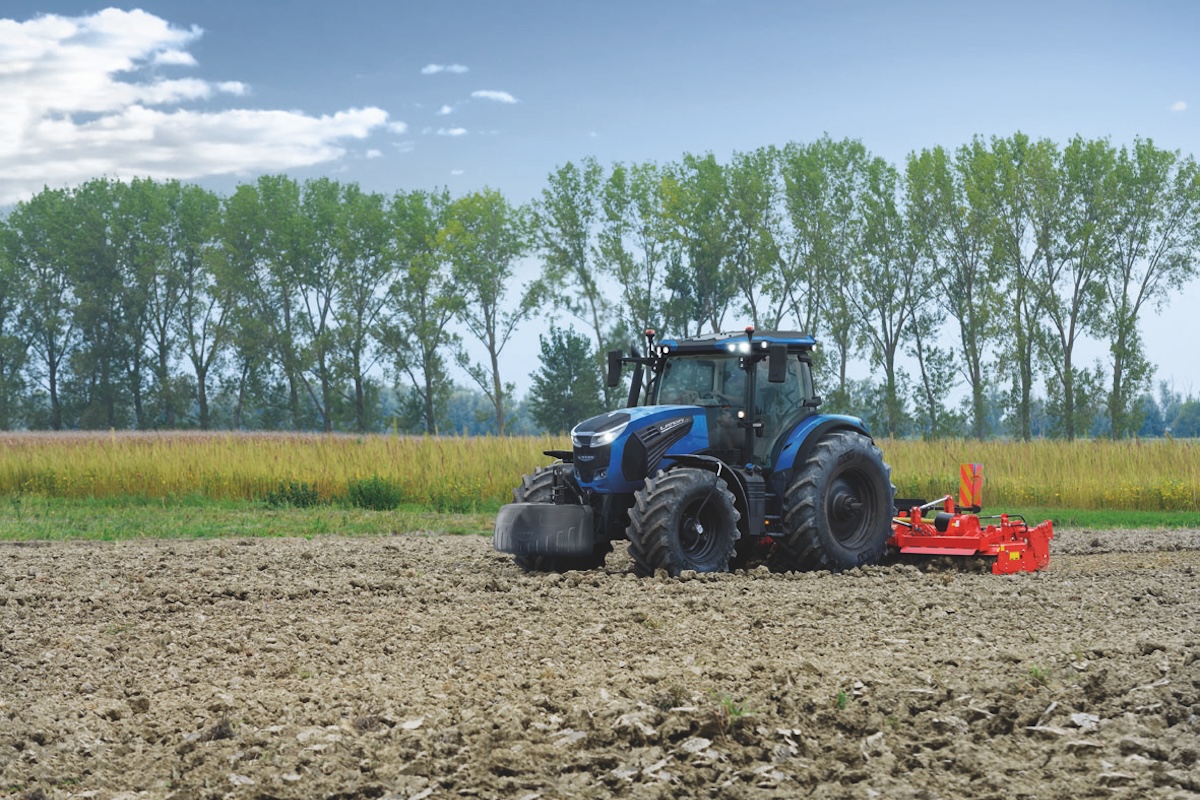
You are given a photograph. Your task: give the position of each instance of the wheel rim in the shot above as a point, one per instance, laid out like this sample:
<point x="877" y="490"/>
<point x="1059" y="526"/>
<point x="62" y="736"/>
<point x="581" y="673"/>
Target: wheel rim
<point x="698" y="528"/>
<point x="850" y="508"/>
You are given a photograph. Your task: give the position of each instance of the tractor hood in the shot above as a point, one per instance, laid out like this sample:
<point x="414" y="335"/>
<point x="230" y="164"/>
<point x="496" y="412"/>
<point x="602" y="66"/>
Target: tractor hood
<point x="616" y="451"/>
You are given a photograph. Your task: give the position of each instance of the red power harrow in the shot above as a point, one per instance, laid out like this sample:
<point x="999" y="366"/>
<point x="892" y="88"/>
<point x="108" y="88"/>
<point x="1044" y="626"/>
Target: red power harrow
<point x="957" y="531"/>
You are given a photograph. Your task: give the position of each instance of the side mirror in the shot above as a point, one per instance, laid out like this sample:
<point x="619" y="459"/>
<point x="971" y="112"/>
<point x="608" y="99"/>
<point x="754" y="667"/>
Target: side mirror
<point x="777" y="363"/>
<point x="614" y="367"/>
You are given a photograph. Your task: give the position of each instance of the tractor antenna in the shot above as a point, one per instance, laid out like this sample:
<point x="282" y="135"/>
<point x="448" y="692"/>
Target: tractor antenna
<point x="649" y="339"/>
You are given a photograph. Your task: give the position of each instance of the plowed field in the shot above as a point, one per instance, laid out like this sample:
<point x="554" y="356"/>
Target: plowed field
<point x="429" y="666"/>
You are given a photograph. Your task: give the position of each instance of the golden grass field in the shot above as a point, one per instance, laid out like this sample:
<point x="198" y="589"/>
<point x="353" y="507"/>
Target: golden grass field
<point x="455" y="473"/>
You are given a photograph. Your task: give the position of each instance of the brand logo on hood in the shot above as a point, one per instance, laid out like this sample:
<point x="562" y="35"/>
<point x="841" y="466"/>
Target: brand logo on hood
<point x="672" y="424"/>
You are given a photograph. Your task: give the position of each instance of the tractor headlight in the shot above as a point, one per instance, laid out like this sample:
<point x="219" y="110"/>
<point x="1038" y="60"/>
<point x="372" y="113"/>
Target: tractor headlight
<point x="609" y="436"/>
<point x="588" y="439"/>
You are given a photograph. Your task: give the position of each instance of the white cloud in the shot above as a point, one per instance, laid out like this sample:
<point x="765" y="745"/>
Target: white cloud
<point x="452" y="132"/>
<point x="372" y="153"/>
<point x="444" y="110"/>
<point x="398" y="127"/>
<point x="434" y="69"/>
<point x="456" y="172"/>
<point x="174" y="58"/>
<point x="499" y="97"/>
<point x="82" y="97"/>
<point x="1179" y="105"/>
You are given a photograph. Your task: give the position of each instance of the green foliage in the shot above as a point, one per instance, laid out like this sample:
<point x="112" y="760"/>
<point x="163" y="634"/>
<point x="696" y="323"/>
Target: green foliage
<point x="566" y="389"/>
<point x="1152" y="242"/>
<point x="375" y="493"/>
<point x="412" y="328"/>
<point x="125" y="305"/>
<point x="1187" y="421"/>
<point x="636" y="251"/>
<point x="457" y="494"/>
<point x="295" y="494"/>
<point x="483" y="239"/>
<point x="732" y="709"/>
<point x="566" y="231"/>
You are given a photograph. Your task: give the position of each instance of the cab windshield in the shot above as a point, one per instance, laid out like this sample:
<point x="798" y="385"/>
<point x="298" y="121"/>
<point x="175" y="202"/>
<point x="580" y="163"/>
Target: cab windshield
<point x="701" y="381"/>
<point x="718" y="384"/>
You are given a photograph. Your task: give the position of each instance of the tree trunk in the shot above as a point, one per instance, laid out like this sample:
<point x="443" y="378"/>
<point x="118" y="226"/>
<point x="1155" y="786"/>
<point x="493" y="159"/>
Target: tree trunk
<point x="891" y="399"/>
<point x="241" y="400"/>
<point x="360" y="401"/>
<point x="56" y="421"/>
<point x="164" y="378"/>
<point x="1025" y="373"/>
<point x="498" y="391"/>
<point x="1025" y="406"/>
<point x="294" y="400"/>
<point x="202" y="396"/>
<point x="1068" y="398"/>
<point x="974" y="375"/>
<point x="135" y="383"/>
<point x="326" y="394"/>
<point x="430" y="415"/>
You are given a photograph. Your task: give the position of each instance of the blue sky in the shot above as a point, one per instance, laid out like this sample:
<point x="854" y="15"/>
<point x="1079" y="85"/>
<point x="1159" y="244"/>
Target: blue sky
<point x="465" y="94"/>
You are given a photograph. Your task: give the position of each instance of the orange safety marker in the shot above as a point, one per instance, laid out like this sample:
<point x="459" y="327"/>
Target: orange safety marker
<point x="970" y="486"/>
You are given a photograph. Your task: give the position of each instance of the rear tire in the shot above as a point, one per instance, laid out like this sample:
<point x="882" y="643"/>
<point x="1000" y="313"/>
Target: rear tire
<point x="837" y="512"/>
<point x="684" y="519"/>
<point x="539" y="488"/>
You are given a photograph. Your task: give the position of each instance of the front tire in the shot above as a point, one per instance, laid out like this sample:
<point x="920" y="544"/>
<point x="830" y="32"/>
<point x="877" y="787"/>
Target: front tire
<point x="539" y="488"/>
<point x="684" y="519"/>
<point x="837" y="512"/>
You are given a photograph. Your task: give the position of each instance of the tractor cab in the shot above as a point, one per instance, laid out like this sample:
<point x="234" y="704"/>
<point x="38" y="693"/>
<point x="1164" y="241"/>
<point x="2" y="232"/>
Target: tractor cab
<point x="753" y="390"/>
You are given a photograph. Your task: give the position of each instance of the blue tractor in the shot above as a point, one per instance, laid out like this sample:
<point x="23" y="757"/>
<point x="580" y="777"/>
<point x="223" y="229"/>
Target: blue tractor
<point x="720" y="454"/>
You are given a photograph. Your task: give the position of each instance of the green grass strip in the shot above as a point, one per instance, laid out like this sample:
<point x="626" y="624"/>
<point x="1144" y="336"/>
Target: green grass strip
<point x="57" y="519"/>
<point x="1107" y="519"/>
<point x="194" y="517"/>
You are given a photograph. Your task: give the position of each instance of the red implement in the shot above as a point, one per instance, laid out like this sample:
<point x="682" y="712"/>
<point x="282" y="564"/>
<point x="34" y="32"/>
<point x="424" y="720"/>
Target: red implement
<point x="1014" y="545"/>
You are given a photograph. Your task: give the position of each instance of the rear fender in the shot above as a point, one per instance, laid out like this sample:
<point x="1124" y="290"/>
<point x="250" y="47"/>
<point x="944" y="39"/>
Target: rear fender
<point x="804" y="437"/>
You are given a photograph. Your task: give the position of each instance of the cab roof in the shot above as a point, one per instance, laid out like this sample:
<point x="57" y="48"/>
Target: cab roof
<point x="721" y="342"/>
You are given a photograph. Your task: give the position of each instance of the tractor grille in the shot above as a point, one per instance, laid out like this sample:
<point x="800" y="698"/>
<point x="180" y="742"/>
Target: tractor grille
<point x="591" y="462"/>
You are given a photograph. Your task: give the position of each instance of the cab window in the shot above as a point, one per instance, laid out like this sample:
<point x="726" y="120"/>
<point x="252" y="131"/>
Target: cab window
<point x="779" y="406"/>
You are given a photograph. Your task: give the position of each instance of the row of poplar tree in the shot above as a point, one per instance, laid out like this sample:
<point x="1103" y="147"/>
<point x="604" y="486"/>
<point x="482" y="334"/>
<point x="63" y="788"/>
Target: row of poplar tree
<point x="317" y="305"/>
